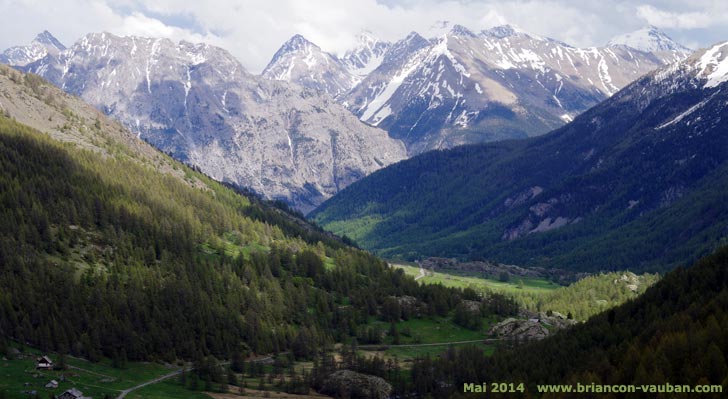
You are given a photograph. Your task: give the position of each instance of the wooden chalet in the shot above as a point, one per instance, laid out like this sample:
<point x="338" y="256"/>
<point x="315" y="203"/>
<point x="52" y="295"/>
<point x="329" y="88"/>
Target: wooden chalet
<point x="44" y="363"/>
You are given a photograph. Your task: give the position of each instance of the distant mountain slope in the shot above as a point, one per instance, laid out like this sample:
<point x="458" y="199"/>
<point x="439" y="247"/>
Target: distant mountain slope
<point x="638" y="182"/>
<point x="462" y="87"/>
<point x="197" y="103"/>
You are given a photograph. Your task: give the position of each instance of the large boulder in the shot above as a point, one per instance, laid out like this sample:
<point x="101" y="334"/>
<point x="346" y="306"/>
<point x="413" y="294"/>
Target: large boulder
<point x="350" y="384"/>
<point x="520" y="329"/>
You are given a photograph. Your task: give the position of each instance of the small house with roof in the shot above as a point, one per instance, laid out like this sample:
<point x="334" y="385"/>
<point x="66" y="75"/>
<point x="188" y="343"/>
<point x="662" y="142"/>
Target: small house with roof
<point x="44" y="363"/>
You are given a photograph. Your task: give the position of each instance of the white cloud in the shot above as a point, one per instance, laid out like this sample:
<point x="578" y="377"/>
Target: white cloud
<point x="254" y="29"/>
<point x="677" y="20"/>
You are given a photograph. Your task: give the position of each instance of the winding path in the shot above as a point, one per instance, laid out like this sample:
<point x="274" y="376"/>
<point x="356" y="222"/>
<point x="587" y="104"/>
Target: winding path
<point x="154" y="381"/>
<point x="166" y="377"/>
<point x="422" y="274"/>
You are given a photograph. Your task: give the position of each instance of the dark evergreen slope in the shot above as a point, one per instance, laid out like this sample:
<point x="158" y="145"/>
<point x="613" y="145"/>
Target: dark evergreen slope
<point x="674" y="333"/>
<point x="638" y="182"/>
<point x="109" y="248"/>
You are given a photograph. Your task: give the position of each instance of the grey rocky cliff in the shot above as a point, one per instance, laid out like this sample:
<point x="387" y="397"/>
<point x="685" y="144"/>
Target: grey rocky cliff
<point x="198" y="103"/>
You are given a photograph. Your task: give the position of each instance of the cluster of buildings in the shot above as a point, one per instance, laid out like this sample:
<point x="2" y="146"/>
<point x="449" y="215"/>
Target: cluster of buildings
<point x="45" y="363"/>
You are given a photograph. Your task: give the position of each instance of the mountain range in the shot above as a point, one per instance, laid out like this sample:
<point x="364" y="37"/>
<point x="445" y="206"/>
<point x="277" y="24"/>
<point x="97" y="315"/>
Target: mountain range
<point x="462" y="87"/>
<point x="287" y="134"/>
<point x="638" y="181"/>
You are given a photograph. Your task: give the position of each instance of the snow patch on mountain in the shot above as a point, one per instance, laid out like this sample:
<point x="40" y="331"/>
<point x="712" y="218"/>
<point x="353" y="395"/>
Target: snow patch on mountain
<point x="382" y="98"/>
<point x="366" y="56"/>
<point x="713" y="65"/>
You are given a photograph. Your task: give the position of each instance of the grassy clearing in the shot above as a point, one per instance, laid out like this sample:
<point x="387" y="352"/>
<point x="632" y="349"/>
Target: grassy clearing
<point x="514" y="286"/>
<point x="435" y="330"/>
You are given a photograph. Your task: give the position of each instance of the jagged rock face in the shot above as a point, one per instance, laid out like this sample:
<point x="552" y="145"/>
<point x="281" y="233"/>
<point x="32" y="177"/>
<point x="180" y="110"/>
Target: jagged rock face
<point x="42" y="45"/>
<point x="198" y="103"/>
<point x="520" y="329"/>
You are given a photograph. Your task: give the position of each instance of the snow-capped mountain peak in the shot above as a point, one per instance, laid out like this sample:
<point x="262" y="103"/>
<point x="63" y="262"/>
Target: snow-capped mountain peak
<point x="295" y="44"/>
<point x="196" y="102"/>
<point x="43" y="44"/>
<point x="300" y="61"/>
<point x="648" y="39"/>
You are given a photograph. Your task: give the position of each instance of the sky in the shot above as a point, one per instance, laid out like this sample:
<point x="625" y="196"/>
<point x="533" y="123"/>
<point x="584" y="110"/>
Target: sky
<point x="253" y="30"/>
